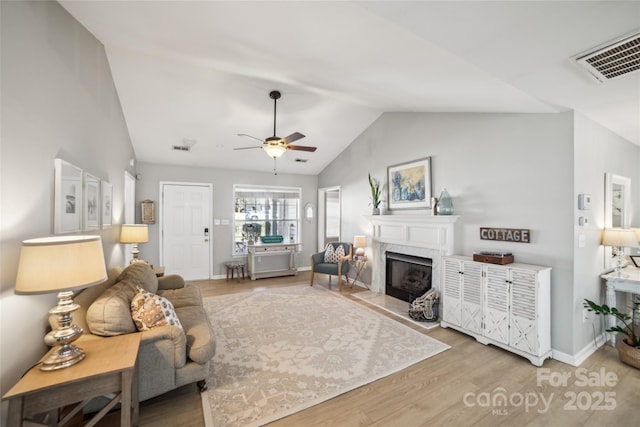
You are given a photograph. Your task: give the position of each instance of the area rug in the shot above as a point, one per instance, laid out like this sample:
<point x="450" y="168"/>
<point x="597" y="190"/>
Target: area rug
<point x="394" y="306"/>
<point x="280" y="350"/>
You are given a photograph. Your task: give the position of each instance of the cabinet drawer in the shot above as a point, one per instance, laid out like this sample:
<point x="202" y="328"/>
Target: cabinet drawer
<point x="263" y="249"/>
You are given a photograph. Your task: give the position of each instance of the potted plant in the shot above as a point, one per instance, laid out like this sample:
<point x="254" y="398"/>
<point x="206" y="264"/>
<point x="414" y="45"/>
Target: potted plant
<point x="629" y="347"/>
<point x="374" y="184"/>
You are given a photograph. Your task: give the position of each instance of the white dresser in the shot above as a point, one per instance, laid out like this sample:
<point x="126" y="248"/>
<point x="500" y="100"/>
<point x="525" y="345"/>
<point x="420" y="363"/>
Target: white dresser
<point x="504" y="305"/>
<point x="272" y="260"/>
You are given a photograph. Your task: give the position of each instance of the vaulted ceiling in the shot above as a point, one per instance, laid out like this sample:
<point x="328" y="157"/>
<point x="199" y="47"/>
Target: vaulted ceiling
<point x="200" y="72"/>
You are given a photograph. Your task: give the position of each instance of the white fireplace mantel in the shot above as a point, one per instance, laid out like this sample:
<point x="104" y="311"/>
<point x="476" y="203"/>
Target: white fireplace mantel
<point x="420" y="235"/>
<point x="433" y="232"/>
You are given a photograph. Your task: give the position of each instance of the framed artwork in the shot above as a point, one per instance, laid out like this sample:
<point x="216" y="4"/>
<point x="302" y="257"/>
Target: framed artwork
<point x="409" y="185"/>
<point x="92" y="202"/>
<point x="107" y="204"/>
<point x="635" y="259"/>
<point x="148" y="209"/>
<point x="67" y="195"/>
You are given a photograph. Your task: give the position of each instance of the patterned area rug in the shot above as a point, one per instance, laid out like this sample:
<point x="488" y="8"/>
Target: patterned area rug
<point x="284" y="349"/>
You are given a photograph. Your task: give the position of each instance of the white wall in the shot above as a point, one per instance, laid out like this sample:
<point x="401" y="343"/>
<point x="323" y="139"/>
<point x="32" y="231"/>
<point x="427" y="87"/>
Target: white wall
<point x="222" y="180"/>
<point x="597" y="151"/>
<point x="502" y="170"/>
<point x="58" y="100"/>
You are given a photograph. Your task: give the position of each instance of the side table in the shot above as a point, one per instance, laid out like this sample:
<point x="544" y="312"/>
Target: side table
<point x="359" y="264"/>
<point x="110" y="367"/>
<point x="234" y="267"/>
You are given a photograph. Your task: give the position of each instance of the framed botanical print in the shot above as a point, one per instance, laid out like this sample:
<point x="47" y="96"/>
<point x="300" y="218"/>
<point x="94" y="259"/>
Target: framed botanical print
<point x="409" y="185"/>
<point x="92" y="202"/>
<point x="67" y="195"/>
<point x="106" y="192"/>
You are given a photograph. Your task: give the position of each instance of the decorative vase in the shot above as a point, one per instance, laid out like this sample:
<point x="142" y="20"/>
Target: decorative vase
<point x="445" y="203"/>
<point x="376" y="211"/>
<point x="629" y="354"/>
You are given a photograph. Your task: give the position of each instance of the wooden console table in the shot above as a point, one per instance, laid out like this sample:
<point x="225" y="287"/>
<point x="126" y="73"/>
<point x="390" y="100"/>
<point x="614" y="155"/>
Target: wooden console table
<point x="627" y="281"/>
<point x="272" y="260"/>
<point x="110" y="367"/>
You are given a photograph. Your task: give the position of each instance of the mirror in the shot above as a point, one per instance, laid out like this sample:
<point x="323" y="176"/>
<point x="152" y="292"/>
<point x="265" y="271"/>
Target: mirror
<point x="309" y="212"/>
<point x="617" y="213"/>
<point x="617" y="198"/>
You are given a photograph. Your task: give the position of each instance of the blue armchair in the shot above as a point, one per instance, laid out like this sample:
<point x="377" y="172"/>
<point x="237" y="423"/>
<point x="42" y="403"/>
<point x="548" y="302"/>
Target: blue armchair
<point x="333" y="269"/>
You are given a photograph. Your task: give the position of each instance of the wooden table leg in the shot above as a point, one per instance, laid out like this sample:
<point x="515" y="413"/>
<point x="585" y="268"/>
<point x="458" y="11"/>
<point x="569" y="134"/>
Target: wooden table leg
<point x="125" y="402"/>
<point x="14" y="414"/>
<point x="135" y="400"/>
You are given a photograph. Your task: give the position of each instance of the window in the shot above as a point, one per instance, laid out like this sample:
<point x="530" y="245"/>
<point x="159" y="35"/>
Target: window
<point x="265" y="211"/>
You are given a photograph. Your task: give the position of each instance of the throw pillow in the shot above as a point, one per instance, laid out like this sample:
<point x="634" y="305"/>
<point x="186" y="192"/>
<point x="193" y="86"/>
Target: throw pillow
<point x="333" y="254"/>
<point x="149" y="310"/>
<point x="110" y="313"/>
<point x="142" y="275"/>
<point x="330" y="254"/>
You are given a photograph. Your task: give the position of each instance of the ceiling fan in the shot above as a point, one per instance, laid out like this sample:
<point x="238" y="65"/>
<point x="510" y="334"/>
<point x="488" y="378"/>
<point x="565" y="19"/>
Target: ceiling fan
<point x="275" y="146"/>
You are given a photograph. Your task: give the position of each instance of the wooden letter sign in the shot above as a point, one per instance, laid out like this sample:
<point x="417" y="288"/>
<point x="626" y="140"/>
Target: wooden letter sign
<point x="505" y="234"/>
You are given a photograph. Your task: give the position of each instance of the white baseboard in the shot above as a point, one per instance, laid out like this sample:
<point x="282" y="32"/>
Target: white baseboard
<point x="582" y="355"/>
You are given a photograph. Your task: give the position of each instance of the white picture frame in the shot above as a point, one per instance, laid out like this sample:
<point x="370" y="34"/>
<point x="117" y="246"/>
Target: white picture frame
<point x="91" y="202"/>
<point x="106" y="209"/>
<point x="67" y="195"/>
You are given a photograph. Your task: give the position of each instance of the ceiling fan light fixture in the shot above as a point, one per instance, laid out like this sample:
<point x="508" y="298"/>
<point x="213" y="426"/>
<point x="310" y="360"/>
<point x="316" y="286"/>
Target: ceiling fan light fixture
<point x="274" y="151"/>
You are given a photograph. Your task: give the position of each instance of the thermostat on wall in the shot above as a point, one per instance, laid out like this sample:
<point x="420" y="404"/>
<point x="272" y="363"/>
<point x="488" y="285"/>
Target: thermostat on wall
<point x="584" y="201"/>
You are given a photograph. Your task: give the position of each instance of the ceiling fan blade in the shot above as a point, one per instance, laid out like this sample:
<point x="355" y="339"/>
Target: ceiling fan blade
<point x="301" y="148"/>
<point x="293" y="137"/>
<point x="247" y="148"/>
<point x="249" y="136"/>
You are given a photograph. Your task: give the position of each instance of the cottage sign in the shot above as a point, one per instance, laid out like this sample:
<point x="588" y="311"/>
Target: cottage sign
<point x="505" y="234"/>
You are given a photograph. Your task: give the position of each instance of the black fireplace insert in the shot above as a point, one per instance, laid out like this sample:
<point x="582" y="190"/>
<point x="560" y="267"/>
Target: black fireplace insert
<point x="407" y="276"/>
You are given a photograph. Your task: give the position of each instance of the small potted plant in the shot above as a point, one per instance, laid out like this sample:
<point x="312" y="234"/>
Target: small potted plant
<point x="374" y="184"/>
<point x="629" y="347"/>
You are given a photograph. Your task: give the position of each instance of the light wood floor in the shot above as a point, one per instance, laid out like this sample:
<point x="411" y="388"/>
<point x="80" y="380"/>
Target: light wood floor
<point x="447" y="389"/>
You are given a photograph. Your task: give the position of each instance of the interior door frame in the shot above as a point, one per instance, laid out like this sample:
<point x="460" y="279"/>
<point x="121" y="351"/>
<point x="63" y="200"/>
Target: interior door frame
<point x="161" y="218"/>
<point x="322" y="214"/>
<point x="129" y="209"/>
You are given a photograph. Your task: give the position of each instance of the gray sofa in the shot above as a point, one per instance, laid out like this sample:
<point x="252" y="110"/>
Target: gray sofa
<point x="169" y="357"/>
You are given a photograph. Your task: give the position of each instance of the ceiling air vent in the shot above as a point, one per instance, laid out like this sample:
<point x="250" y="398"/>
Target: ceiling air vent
<point x="615" y="59"/>
<point x="302" y="160"/>
<point x="186" y="145"/>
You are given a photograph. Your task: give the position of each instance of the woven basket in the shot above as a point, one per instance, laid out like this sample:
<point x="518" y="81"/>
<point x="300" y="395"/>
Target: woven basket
<point x="628" y="354"/>
<point x="425" y="313"/>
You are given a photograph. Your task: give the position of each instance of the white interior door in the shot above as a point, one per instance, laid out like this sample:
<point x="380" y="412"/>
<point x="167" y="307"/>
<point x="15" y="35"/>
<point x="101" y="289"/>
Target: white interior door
<point x="185" y="226"/>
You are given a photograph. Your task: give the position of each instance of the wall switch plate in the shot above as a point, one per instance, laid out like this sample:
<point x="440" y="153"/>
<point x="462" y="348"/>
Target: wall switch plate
<point x="584" y="201"/>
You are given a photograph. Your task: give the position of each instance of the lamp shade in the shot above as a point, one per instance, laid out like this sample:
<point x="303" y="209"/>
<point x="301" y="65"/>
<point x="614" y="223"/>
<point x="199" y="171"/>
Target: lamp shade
<point x="359" y="241"/>
<point x="619" y="237"/>
<point x="134" y="233"/>
<point x="274" y="150"/>
<point x="53" y="264"/>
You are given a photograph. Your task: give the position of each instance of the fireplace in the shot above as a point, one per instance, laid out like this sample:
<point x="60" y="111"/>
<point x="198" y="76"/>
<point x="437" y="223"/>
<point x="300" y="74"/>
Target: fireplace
<point x="416" y="235"/>
<point x="407" y="276"/>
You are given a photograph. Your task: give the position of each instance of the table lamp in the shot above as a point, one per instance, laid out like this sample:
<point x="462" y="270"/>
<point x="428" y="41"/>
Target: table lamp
<point x="134" y="234"/>
<point x="360" y="242"/>
<point x="619" y="238"/>
<point x="60" y="264"/>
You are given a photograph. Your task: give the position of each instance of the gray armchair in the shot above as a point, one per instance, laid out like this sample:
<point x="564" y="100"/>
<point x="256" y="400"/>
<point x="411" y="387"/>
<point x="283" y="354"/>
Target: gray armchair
<point x="333" y="269"/>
